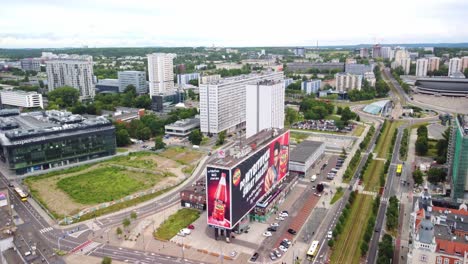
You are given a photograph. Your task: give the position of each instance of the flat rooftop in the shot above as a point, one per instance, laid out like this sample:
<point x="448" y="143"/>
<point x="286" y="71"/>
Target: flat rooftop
<point x="232" y="155"/>
<point x="304" y="150"/>
<point x="185" y="123"/>
<point x="38" y="126"/>
<point x="243" y="77"/>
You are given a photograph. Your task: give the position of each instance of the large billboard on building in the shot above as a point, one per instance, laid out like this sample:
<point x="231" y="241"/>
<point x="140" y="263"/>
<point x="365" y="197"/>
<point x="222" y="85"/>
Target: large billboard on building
<point x="233" y="193"/>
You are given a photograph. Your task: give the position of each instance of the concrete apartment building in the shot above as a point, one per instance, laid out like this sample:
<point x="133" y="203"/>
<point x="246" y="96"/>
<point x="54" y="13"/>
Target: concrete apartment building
<point x="464" y="63"/>
<point x="455" y="65"/>
<point x="160" y="72"/>
<point x="433" y="64"/>
<point x="345" y="82"/>
<point x="72" y="70"/>
<point x="387" y="53"/>
<point x="222" y="102"/>
<point x="264" y="106"/>
<point x="21" y="99"/>
<point x="376" y="51"/>
<point x="184" y="79"/>
<point x="311" y="87"/>
<point x="359" y="69"/>
<point x="31" y="64"/>
<point x="135" y="78"/>
<point x="421" y="67"/>
<point x="402" y="58"/>
<point x="370" y="78"/>
<point x="364" y="52"/>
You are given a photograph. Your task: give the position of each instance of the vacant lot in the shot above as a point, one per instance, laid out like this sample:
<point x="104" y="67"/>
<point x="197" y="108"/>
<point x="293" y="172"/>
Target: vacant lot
<point x="176" y="222"/>
<point x="182" y="155"/>
<point x="346" y="249"/>
<point x="69" y="191"/>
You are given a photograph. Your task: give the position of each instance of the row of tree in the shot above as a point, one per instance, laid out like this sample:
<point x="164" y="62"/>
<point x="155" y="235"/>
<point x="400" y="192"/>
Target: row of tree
<point x="422" y="143"/>
<point x="404" y="144"/>
<point x="370" y="226"/>
<point x="392" y="214"/>
<point x="365" y="142"/>
<point x="315" y="109"/>
<point x="353" y="163"/>
<point x="342" y="219"/>
<point x="385" y="253"/>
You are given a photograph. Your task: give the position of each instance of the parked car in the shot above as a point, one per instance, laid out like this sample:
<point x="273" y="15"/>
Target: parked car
<point x="272" y="256"/>
<point x="254" y="257"/>
<point x="191" y="226"/>
<point x="277" y="253"/>
<point x="272" y="228"/>
<point x="184" y="232"/>
<point x="283" y="215"/>
<point x="283" y="248"/>
<point x="284" y="244"/>
<point x="287" y="241"/>
<point x="267" y="234"/>
<point x="330" y="235"/>
<point x="279" y="218"/>
<point x="274" y="224"/>
<point x="292" y="231"/>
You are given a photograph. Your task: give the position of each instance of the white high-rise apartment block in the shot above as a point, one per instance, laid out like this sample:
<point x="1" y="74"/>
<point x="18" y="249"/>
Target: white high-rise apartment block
<point x="31" y="64"/>
<point x="464" y="63"/>
<point x="21" y="99"/>
<point x="421" y="67"/>
<point x="455" y="65"/>
<point x="264" y="106"/>
<point x="387" y="53"/>
<point x="406" y="64"/>
<point x="222" y="102"/>
<point x="345" y="82"/>
<point x="135" y="78"/>
<point x="184" y="79"/>
<point x="160" y="73"/>
<point x="433" y="64"/>
<point x="72" y="70"/>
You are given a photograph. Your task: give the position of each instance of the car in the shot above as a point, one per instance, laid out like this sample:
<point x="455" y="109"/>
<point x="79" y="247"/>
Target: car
<point x="313" y="187"/>
<point x="317" y="194"/>
<point x="272" y="228"/>
<point x="277" y="253"/>
<point x="292" y="231"/>
<point x="272" y="256"/>
<point x="267" y="234"/>
<point x="10" y="184"/>
<point x="287" y="241"/>
<point x="285" y="212"/>
<point x="254" y="257"/>
<point x="283" y="215"/>
<point x="330" y="234"/>
<point x="284" y="244"/>
<point x="283" y="248"/>
<point x="279" y="218"/>
<point x="274" y="224"/>
<point x="27" y="253"/>
<point x="191" y="226"/>
<point x="184" y="232"/>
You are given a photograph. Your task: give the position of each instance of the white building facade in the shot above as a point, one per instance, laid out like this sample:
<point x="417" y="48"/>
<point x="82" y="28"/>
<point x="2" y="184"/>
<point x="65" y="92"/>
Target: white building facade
<point x="31" y="64"/>
<point x="455" y="65"/>
<point x="160" y="73"/>
<point x="135" y="78"/>
<point x="264" y="106"/>
<point x="421" y="67"/>
<point x="183" y="79"/>
<point x="345" y="82"/>
<point x="21" y="99"/>
<point x="222" y="102"/>
<point x="311" y="87"/>
<point x="433" y="64"/>
<point x="75" y="71"/>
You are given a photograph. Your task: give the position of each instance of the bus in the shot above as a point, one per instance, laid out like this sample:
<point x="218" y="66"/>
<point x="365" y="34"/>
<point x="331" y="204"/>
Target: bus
<point x="313" y="250"/>
<point x="22" y="194"/>
<point x="399" y="169"/>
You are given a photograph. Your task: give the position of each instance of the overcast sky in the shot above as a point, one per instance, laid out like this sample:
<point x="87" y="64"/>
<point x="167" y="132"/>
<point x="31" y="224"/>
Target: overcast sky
<point x="110" y="23"/>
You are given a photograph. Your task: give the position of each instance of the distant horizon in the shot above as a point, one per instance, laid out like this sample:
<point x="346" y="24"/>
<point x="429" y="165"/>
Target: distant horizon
<point x="414" y="44"/>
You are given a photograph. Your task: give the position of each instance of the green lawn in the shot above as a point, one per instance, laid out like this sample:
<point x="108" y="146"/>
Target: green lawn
<point x="337" y="196"/>
<point x="385" y="139"/>
<point x="175" y="223"/>
<point x="333" y="117"/>
<point x="358" y="130"/>
<point x="347" y="245"/>
<point x="299" y="137"/>
<point x="106" y="184"/>
<point x="371" y="177"/>
<point x="136" y="160"/>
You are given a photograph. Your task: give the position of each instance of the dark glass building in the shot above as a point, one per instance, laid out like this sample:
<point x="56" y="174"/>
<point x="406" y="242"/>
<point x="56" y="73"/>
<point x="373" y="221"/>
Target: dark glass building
<point x="43" y="140"/>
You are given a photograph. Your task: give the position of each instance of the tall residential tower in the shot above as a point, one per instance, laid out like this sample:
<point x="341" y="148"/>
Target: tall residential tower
<point x="160" y="73"/>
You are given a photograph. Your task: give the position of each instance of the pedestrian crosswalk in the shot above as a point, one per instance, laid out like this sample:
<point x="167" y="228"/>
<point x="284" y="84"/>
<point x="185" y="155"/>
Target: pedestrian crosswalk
<point x="88" y="248"/>
<point x="45" y="230"/>
<point x="369" y="193"/>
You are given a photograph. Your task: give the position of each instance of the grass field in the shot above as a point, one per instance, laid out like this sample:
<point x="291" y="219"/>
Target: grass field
<point x="71" y="190"/>
<point x="299" y="137"/>
<point x="107" y="184"/>
<point x="175" y="223"/>
<point x="371" y="177"/>
<point x="346" y="248"/>
<point x="337" y="196"/>
<point x="358" y="130"/>
<point x="432" y="148"/>
<point x="385" y="139"/>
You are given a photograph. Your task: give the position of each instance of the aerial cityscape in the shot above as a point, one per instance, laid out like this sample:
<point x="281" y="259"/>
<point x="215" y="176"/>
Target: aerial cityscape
<point x="204" y="132"/>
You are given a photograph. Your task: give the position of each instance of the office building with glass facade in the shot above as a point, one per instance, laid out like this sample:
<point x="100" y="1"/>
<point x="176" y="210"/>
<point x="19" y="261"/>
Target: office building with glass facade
<point x="43" y="140"/>
<point x="460" y="159"/>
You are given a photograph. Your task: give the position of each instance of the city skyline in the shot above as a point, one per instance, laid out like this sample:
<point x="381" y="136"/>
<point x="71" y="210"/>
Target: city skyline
<point x="52" y="24"/>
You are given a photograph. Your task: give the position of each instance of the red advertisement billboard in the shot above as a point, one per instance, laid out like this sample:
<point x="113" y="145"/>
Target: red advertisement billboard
<point x="238" y="191"/>
<point x="218" y="201"/>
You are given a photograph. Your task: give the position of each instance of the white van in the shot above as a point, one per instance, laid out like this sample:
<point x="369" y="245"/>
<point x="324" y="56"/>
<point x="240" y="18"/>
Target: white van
<point x="313" y="178"/>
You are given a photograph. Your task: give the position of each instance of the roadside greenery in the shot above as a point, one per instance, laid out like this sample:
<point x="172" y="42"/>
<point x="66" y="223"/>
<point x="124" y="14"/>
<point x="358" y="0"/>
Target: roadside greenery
<point x="353" y="163"/>
<point x="422" y="144"/>
<point x="404" y="144"/>
<point x="385" y="253"/>
<point x="392" y="214"/>
<point x="343" y="218"/>
<point x="396" y="74"/>
<point x="171" y="226"/>
<point x="337" y="196"/>
<point x="418" y="177"/>
<point x="365" y="143"/>
<point x="370" y="226"/>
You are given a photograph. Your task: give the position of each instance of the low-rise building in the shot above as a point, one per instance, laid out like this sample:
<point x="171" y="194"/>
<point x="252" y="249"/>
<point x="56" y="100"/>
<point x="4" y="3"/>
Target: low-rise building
<point x="124" y="114"/>
<point x="135" y="78"/>
<point x="107" y="86"/>
<point x="359" y="69"/>
<point x="304" y="156"/>
<point x="21" y="99"/>
<point x="31" y="64"/>
<point x="184" y="79"/>
<point x="194" y="196"/>
<point x="182" y="128"/>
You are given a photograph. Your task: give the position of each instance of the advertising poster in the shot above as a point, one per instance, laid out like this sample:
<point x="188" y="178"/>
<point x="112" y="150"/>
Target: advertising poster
<point x="218" y="197"/>
<point x="257" y="175"/>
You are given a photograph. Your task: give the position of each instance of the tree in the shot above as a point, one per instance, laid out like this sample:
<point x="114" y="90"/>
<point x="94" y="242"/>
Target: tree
<point x="358" y="118"/>
<point x="122" y="138"/>
<point x="418" y="177"/>
<point x="106" y="260"/>
<point x="194" y="82"/>
<point x="292" y="116"/>
<point x="422" y="146"/>
<point x="195" y="137"/>
<point x="65" y="96"/>
<point x="339" y="110"/>
<point x="41" y="83"/>
<point x="221" y="138"/>
<point x="119" y="231"/>
<point x="158" y="143"/>
<point x="143" y="101"/>
<point x="436" y="175"/>
<point x="347" y="115"/>
<point x="133" y="215"/>
<point x="126" y="222"/>
<point x="144" y="133"/>
<point x="339" y="124"/>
